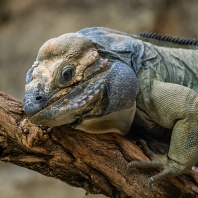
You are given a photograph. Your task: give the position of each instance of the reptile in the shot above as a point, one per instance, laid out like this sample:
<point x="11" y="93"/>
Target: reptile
<point x="101" y="80"/>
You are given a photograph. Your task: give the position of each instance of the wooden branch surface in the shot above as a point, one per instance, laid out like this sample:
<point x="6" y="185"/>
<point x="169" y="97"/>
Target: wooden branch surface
<point x="96" y="163"/>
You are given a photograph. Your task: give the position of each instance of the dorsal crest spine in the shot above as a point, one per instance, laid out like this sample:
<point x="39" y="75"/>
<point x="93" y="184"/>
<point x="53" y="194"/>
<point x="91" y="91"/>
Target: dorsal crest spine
<point x="168" y="38"/>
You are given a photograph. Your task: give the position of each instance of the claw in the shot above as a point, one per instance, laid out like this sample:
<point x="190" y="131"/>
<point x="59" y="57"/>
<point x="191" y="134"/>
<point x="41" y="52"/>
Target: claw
<point x="129" y="166"/>
<point x="158" y="177"/>
<point x="150" y="183"/>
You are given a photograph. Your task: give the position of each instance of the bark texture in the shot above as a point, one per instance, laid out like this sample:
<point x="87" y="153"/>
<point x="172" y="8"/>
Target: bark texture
<point x="96" y="163"/>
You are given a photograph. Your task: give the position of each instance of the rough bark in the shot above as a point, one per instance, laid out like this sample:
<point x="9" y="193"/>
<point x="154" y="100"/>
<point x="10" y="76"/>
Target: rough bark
<point x="96" y="163"/>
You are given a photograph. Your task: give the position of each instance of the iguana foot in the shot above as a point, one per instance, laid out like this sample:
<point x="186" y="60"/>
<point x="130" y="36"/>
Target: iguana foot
<point x="157" y="148"/>
<point x="168" y="166"/>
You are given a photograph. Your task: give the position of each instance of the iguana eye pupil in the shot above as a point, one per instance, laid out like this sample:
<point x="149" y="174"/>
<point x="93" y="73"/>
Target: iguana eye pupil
<point x="67" y="74"/>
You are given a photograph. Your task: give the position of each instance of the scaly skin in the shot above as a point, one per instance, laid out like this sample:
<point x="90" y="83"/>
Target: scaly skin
<point x="95" y="78"/>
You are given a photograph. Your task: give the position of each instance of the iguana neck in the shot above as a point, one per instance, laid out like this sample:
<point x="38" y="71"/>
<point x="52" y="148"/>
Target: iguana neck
<point x="118" y="122"/>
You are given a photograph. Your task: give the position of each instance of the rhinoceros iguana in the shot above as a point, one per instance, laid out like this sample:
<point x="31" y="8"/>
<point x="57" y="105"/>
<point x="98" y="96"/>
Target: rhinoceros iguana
<point x="101" y="80"/>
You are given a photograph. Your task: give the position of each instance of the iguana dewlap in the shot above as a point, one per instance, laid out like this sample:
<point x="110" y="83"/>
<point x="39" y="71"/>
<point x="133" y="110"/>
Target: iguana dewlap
<point x="94" y="79"/>
<point x="117" y="122"/>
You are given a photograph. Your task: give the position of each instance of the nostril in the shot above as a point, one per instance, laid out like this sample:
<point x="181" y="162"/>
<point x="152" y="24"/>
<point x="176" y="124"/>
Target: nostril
<point x="39" y="97"/>
<point x="33" y="103"/>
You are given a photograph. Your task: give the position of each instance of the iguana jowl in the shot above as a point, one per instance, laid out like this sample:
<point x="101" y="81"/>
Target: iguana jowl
<point x="96" y="80"/>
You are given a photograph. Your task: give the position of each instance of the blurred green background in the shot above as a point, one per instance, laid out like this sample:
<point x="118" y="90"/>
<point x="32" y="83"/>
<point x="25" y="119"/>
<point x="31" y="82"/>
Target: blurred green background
<point x="26" y="24"/>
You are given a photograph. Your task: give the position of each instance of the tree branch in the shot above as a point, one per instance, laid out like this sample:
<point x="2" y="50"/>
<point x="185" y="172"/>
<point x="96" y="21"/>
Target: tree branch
<point x="96" y="163"/>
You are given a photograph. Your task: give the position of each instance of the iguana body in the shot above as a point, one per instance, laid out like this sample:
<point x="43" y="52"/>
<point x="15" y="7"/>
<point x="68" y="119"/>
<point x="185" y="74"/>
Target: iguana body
<point x="98" y="76"/>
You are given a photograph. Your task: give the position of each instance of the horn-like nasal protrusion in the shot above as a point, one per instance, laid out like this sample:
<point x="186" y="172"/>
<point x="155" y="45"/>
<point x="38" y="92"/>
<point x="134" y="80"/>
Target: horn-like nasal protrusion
<point x="37" y="86"/>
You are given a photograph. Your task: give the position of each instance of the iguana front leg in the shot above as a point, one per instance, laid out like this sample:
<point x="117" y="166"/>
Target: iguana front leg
<point x="173" y="106"/>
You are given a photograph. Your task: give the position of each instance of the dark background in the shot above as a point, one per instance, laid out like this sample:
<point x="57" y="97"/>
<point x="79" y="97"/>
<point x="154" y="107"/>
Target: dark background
<point x="26" y="24"/>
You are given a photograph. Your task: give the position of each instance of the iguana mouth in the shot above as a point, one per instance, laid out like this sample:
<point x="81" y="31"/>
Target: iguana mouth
<point x="74" y="98"/>
<point x="59" y="95"/>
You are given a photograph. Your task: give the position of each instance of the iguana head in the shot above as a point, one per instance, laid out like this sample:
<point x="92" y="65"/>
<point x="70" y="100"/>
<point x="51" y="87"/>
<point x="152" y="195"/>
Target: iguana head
<point x="70" y="82"/>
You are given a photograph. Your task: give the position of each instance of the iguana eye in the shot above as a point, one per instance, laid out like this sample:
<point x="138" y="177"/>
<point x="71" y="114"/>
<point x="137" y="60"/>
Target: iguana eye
<point x="67" y="73"/>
